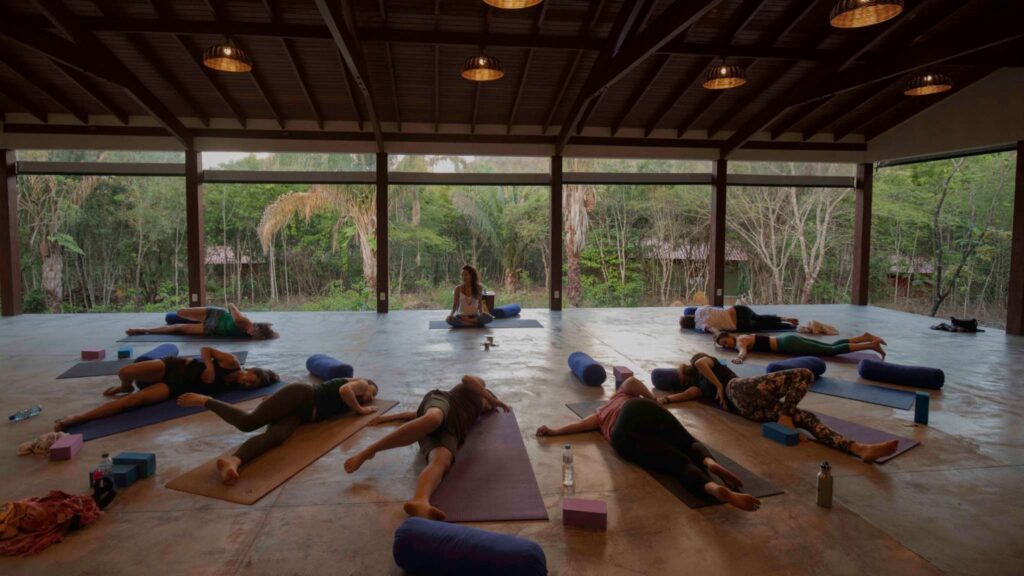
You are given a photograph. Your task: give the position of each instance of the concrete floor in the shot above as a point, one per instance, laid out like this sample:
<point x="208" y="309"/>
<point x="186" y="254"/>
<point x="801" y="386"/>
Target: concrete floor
<point x="951" y="505"/>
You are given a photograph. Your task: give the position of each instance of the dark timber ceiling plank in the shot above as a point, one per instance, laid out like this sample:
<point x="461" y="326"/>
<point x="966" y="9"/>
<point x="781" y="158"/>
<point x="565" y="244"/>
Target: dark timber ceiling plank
<point x="437" y="69"/>
<point x="588" y="26"/>
<point x="87" y="85"/>
<point x="293" y="61"/>
<point x="640" y="91"/>
<point x="391" y="67"/>
<point x="32" y="107"/>
<point x="479" y="85"/>
<point x="28" y="74"/>
<point x="526" y="67"/>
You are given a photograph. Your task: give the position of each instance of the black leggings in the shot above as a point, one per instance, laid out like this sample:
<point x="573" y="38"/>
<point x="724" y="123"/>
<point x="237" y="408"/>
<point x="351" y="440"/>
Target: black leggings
<point x="651" y="437"/>
<point x="282" y="413"/>
<point x="749" y="321"/>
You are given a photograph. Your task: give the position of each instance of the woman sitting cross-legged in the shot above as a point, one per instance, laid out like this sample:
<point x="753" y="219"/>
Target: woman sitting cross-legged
<point x="283" y="412"/>
<point x="796" y="345"/>
<point x="646" y="434"/>
<point x="468" y="305"/>
<point x="440" y="425"/>
<point x="213" y="321"/>
<point x="767" y="398"/>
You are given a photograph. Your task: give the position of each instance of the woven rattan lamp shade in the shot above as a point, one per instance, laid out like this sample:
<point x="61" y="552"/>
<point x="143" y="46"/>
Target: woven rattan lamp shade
<point x="512" y="4"/>
<point x="482" y="68"/>
<point x="723" y="77"/>
<point x="861" y="13"/>
<point x="928" y="83"/>
<point x="226" y="57"/>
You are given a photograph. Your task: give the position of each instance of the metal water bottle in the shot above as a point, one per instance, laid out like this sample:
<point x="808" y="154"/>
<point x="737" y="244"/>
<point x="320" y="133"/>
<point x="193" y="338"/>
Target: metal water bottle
<point x="825" y="486"/>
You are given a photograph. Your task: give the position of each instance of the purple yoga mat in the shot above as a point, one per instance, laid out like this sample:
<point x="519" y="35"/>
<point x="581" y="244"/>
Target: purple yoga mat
<point x="866" y="435"/>
<point x="492" y="479"/>
<point x="855" y="357"/>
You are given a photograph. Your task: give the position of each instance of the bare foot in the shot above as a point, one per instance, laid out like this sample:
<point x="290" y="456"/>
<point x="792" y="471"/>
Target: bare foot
<point x="786" y="420"/>
<point x="876" y="338"/>
<point x="356" y="462"/>
<point x="872" y="452"/>
<point x="423" y="510"/>
<point x="877" y="347"/>
<point x="228" y="468"/>
<point x="731" y="480"/>
<point x="64" y="423"/>
<point x="737" y="499"/>
<point x="134" y="331"/>
<point x="191" y="399"/>
<point x="115" y="390"/>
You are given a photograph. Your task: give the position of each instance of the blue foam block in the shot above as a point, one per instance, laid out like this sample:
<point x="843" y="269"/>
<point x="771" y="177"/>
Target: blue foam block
<point x="506" y="311"/>
<point x="124" y="352"/>
<point x="145" y="462"/>
<point x="689" y="311"/>
<point x="906" y="375"/>
<point x="160" y="352"/>
<point x="173" y="318"/>
<point x="812" y="363"/>
<point x="429" y="547"/>
<point x="666" y="379"/>
<point x="326" y="368"/>
<point x="125" y="475"/>
<point x="588" y="370"/>
<point x="921" y="408"/>
<point x="781" y="434"/>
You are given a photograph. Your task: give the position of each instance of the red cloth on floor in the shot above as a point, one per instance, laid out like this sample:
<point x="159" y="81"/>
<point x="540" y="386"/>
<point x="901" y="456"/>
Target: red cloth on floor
<point x="30" y="526"/>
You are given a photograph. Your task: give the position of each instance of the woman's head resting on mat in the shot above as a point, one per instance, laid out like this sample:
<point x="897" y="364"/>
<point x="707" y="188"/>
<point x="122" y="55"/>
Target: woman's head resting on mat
<point x="256" y="377"/>
<point x="261" y="331"/>
<point x="687" y="322"/>
<point x="370" y="390"/>
<point x="725" y="340"/>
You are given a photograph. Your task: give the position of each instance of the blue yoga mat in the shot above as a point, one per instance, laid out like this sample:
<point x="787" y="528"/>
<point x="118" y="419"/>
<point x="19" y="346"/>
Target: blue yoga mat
<point x="869" y="393"/>
<point x="156" y="413"/>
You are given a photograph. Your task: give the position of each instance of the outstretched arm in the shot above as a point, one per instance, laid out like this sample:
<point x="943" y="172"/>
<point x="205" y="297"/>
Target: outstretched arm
<point x="691" y="393"/>
<point x="395" y="417"/>
<point x="634" y="387"/>
<point x="586" y="425"/>
<point x="476" y="384"/>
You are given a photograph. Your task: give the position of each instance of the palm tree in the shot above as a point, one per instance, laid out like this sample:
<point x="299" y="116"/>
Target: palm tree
<point x="578" y="201"/>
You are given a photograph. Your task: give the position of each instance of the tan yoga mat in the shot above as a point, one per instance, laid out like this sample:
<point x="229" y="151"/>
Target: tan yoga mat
<point x="262" y="475"/>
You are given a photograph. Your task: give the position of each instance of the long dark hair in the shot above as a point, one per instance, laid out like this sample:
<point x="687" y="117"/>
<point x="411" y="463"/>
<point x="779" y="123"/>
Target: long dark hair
<point x="474" y="279"/>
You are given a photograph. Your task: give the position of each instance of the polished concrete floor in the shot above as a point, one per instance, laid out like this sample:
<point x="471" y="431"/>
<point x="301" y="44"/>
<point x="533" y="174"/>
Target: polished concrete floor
<point x="952" y="505"/>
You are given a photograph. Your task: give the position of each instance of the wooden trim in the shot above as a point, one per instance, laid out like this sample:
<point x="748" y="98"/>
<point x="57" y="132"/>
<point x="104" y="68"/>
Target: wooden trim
<point x="382" y="292"/>
<point x="10" y="256"/>
<point x="859" y="294"/>
<point x="466" y="179"/>
<point x="102" y="168"/>
<point x="555" y="273"/>
<point x="679" y="179"/>
<point x="194" y="228"/>
<point x="716" y="266"/>
<point x="287" y="177"/>
<point x="791" y="181"/>
<point x="1015" y="300"/>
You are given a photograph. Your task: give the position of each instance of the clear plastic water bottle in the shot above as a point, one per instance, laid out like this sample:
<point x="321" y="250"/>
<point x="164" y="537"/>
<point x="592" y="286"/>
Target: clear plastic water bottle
<point x="106" y="466"/>
<point x="25" y="413"/>
<point x="568" y="477"/>
<point x="825" y="486"/>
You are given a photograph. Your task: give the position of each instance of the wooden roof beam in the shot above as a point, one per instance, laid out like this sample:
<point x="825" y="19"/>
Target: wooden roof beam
<point x="43" y="85"/>
<point x="526" y="67"/>
<point x="585" y="30"/>
<point x="86" y="84"/>
<point x="293" y="61"/>
<point x="29" y="105"/>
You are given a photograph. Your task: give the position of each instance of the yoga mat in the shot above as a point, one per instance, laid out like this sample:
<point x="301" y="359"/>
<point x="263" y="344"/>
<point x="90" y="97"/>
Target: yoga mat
<point x="273" y="468"/>
<point x="866" y="435"/>
<point x="854" y="357"/>
<point x="752" y="483"/>
<point x="869" y="393"/>
<point x="161" y="412"/>
<point x="183" y="338"/>
<point x="492" y="479"/>
<point x="110" y="367"/>
<point x="504" y="323"/>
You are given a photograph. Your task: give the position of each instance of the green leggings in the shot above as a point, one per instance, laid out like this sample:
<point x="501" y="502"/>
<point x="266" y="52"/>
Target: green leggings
<point x="798" y="345"/>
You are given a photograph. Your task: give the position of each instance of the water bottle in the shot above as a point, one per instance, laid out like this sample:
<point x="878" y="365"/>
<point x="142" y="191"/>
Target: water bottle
<point x="25" y="413"/>
<point x="568" y="478"/>
<point x="106" y="466"/>
<point x="825" y="486"/>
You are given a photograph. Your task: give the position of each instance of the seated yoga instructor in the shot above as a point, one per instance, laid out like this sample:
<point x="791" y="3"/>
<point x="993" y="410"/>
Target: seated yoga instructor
<point x="766" y="398"/>
<point x="796" y="345"/>
<point x="739" y="317"/>
<point x="440" y="425"/>
<point x="468" y="305"/>
<point x="213" y="321"/>
<point x="646" y="434"/>
<point x="158" y="380"/>
<point x="283" y="412"/>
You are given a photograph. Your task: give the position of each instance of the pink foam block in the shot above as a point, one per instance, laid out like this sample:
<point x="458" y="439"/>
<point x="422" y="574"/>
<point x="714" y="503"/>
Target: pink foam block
<point x="584" y="513"/>
<point x="66" y="447"/>
<point x="94" y="354"/>
<point x="621" y="373"/>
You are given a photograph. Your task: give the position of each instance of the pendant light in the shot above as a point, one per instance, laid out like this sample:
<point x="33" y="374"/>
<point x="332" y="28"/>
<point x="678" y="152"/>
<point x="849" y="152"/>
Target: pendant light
<point x="512" y="4"/>
<point x="927" y="84"/>
<point x="482" y="68"/>
<point x="861" y="13"/>
<point x="226" y="57"/>
<point x="723" y="77"/>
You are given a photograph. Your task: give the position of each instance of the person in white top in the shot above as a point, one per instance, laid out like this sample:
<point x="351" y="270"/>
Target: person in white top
<point x="468" y="305"/>
<point x="730" y="318"/>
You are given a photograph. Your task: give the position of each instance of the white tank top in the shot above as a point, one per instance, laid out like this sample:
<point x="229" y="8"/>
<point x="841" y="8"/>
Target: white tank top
<point x="468" y="305"/>
<point x="708" y="317"/>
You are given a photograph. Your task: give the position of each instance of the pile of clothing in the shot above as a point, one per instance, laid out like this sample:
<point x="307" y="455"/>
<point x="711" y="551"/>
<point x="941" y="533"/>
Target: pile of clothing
<point x="958" y="325"/>
<point x="32" y="525"/>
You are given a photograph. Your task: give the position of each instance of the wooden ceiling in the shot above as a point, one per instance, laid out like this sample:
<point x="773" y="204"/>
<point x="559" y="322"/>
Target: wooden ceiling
<point x="623" y="72"/>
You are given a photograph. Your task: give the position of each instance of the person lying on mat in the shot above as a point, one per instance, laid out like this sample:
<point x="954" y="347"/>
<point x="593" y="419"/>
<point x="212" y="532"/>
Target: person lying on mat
<point x="158" y="380"/>
<point x="649" y="436"/>
<point x="796" y="345"/>
<point x="739" y="317"/>
<point x="283" y="412"/>
<point x="440" y="425"/>
<point x="769" y="397"/>
<point x="468" y="305"/>
<point x="213" y="321"/>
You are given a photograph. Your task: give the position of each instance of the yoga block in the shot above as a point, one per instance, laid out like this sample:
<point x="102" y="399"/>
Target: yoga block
<point x="66" y="447"/>
<point x="144" y="461"/>
<point x="125" y="352"/>
<point x="921" y="408"/>
<point x="94" y="354"/>
<point x="125" y="475"/>
<point x="621" y="374"/>
<point x="584" y="513"/>
<point x="781" y="434"/>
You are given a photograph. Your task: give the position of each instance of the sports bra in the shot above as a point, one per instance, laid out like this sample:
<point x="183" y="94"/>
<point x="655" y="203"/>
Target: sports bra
<point x="761" y="344"/>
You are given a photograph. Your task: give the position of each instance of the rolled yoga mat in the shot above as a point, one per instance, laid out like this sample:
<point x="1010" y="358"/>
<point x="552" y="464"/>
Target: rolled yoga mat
<point x="325" y="367"/>
<point x="586" y="369"/>
<point x="492" y="480"/>
<point x="110" y="367"/>
<point x="868" y="393"/>
<point x="506" y="311"/>
<point x="903" y="374"/>
<point x="752" y="483"/>
<point x="273" y="468"/>
<point x="507" y="323"/>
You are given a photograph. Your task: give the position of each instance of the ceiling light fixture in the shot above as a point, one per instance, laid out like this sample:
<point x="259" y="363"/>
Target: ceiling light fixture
<point x="482" y="68"/>
<point x="927" y="84"/>
<point x="861" y="13"/>
<point x="226" y="57"/>
<point x="724" y="76"/>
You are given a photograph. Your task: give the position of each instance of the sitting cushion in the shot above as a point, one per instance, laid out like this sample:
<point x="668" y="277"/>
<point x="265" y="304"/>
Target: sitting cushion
<point x="173" y="318"/>
<point x="506" y="311"/>
<point x="587" y="369"/>
<point x="666" y="379"/>
<point x="812" y="363"/>
<point x="689" y="311"/>
<point x="326" y="368"/>
<point x="918" y="376"/>
<point x="429" y="547"/>
<point x="160" y="352"/>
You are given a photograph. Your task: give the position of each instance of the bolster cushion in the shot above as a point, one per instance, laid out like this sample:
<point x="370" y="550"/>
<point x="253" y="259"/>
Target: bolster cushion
<point x="666" y="379"/>
<point x="173" y="318"/>
<point x="919" y="376"/>
<point x="160" y="352"/>
<point x="326" y="368"/>
<point x="812" y="363"/>
<point x="506" y="311"/>
<point x="689" y="311"/>
<point x="588" y="370"/>
<point x="429" y="547"/>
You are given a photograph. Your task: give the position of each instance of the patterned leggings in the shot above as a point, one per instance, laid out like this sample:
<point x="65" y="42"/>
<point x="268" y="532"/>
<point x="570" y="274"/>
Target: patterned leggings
<point x="766" y="398"/>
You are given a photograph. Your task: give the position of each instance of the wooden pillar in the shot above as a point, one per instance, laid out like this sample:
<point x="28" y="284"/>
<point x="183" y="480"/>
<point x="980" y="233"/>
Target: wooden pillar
<point x="716" y="265"/>
<point x="10" y="256"/>
<point x="862" y="235"/>
<point x="195" y="229"/>
<point x="1015" y="302"/>
<point x="382" y="233"/>
<point x="555" y="273"/>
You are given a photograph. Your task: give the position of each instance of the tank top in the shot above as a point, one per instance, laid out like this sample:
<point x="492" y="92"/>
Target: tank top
<point x="468" y="305"/>
<point x="327" y="399"/>
<point x="761" y="344"/>
<point x="720" y="370"/>
<point x="710" y="317"/>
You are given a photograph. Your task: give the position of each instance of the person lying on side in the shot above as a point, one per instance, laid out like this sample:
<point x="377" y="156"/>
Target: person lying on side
<point x="738" y="317"/>
<point x="213" y="321"/>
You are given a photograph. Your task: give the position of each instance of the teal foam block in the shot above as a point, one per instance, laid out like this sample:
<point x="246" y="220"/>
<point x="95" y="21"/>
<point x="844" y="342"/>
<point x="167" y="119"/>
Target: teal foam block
<point x="921" y="408"/>
<point x="781" y="434"/>
<point x="125" y="475"/>
<point x="144" y="461"/>
<point x="124" y="352"/>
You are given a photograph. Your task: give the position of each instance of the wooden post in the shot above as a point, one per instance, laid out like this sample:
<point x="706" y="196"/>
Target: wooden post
<point x="1015" y="300"/>
<point x="555" y="273"/>
<point x="195" y="229"/>
<point x="716" y="265"/>
<point x="862" y="235"/>
<point x="382" y="233"/>
<point x="10" y="256"/>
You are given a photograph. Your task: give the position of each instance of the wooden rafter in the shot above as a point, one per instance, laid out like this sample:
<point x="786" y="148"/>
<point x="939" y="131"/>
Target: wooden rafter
<point x="32" y="107"/>
<point x="585" y="31"/>
<point x="526" y="67"/>
<point x="389" y="60"/>
<point x="88" y="86"/>
<point x="45" y="86"/>
<point x="293" y="61"/>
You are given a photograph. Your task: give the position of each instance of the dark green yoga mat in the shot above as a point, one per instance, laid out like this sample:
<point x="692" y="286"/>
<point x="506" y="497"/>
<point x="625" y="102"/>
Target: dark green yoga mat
<point x="110" y="367"/>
